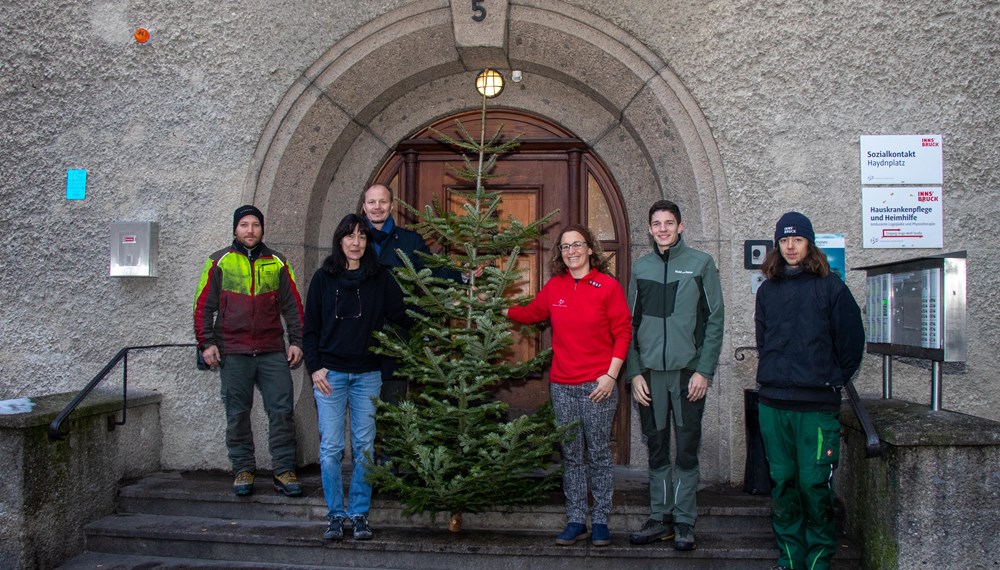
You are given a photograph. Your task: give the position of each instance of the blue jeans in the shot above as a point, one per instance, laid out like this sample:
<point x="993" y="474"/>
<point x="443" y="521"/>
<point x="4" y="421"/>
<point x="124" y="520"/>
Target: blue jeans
<point x="354" y="390"/>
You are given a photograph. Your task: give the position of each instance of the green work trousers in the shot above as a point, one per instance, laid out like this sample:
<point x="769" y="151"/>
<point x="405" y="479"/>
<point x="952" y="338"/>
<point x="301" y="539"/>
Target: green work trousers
<point x="803" y="449"/>
<point x="673" y="487"/>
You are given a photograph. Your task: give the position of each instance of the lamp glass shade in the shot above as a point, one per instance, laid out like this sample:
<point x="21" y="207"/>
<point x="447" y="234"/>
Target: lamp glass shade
<point x="489" y="83"/>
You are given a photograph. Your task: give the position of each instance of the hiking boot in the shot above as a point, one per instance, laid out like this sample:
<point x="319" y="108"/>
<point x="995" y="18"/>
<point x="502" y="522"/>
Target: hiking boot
<point x="652" y="531"/>
<point x="572" y="533"/>
<point x="288" y="484"/>
<point x="685" y="537"/>
<point x="361" y="529"/>
<point x="335" y="531"/>
<point x="243" y="485"/>
<point x="600" y="535"/>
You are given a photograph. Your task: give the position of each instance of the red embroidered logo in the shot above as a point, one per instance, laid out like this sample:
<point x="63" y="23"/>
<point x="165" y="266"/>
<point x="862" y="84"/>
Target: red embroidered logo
<point x="829" y="453"/>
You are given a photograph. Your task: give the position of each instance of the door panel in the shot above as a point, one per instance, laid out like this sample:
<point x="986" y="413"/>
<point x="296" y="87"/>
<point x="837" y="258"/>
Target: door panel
<point x="551" y="170"/>
<point x="529" y="187"/>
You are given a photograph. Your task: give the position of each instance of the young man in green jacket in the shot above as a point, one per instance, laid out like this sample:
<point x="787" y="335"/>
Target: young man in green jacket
<point x="677" y="323"/>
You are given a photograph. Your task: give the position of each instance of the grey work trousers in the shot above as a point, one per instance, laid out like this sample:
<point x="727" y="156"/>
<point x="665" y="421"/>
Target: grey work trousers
<point x="270" y="373"/>
<point x="673" y="487"/>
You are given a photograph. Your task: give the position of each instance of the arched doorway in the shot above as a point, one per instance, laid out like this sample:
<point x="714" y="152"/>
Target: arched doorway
<point x="551" y="170"/>
<point x="338" y="123"/>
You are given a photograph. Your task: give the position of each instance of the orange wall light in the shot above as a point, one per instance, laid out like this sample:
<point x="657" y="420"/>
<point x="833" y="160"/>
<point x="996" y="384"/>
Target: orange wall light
<point x="141" y="35"/>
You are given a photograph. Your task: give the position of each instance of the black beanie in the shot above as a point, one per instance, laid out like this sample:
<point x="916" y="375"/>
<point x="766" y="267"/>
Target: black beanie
<point x="794" y="224"/>
<point x="247" y="210"/>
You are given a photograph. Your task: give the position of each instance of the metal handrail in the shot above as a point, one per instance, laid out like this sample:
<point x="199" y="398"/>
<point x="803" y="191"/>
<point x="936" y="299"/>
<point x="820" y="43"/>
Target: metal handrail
<point x="55" y="428"/>
<point x="873" y="444"/>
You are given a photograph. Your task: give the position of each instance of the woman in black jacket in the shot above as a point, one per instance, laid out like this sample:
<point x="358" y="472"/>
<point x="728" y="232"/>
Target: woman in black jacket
<point x="350" y="297"/>
<point x="810" y="338"/>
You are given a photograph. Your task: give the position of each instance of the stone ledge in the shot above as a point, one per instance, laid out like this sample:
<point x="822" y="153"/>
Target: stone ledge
<point x="100" y="401"/>
<point x="908" y="424"/>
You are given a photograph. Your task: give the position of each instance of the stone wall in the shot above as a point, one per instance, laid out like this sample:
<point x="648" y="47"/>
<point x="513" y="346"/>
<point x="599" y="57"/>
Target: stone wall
<point x="931" y="500"/>
<point x="51" y="489"/>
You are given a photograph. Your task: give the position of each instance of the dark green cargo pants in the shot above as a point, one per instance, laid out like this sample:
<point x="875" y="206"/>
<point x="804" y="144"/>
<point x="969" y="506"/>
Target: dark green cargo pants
<point x="802" y="450"/>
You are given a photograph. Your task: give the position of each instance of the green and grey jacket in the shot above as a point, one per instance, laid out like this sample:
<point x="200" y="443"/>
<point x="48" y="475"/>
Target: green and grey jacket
<point x="677" y="312"/>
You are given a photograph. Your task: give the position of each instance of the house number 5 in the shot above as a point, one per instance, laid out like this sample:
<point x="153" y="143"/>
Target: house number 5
<point x="478" y="10"/>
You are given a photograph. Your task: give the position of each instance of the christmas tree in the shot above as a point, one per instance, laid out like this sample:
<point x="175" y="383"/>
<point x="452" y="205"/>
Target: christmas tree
<point x="451" y="444"/>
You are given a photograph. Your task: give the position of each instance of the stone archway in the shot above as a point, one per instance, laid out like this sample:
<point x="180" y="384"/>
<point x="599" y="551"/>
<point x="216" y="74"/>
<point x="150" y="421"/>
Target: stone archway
<point x="346" y="113"/>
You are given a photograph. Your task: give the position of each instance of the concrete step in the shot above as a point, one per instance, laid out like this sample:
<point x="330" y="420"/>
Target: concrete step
<point x="110" y="561"/>
<point x="174" y="520"/>
<point x="209" y="494"/>
<point x="164" y="541"/>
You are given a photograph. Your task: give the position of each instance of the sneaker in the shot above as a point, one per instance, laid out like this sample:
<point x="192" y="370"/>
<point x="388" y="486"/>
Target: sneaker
<point x="288" y="484"/>
<point x="243" y="485"/>
<point x="361" y="529"/>
<point x="685" y="537"/>
<point x="572" y="533"/>
<point x="336" y="529"/>
<point x="652" y="531"/>
<point x="600" y="535"/>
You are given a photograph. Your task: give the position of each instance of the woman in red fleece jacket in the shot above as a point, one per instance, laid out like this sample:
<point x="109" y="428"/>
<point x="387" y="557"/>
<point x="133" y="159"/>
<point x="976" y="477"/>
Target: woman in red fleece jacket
<point x="591" y="331"/>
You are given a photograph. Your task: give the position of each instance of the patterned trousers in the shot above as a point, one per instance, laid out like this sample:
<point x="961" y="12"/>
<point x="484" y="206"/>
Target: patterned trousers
<point x="588" y="451"/>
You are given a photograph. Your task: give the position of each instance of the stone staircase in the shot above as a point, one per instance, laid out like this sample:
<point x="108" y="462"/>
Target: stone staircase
<point x="191" y="520"/>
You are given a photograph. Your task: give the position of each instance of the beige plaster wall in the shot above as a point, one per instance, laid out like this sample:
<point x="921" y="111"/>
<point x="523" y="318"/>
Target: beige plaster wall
<point x="738" y="110"/>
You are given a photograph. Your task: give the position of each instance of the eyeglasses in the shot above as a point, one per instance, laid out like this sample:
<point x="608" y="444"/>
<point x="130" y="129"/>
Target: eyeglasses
<point x="345" y="309"/>
<point x="574" y="245"/>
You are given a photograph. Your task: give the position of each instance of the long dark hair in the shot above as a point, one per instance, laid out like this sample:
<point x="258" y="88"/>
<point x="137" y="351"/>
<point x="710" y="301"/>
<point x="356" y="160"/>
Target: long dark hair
<point x="598" y="260"/>
<point x="814" y="262"/>
<point x="336" y="263"/>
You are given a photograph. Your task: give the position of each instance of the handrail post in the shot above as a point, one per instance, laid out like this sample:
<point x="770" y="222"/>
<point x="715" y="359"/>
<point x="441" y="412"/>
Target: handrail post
<point x="112" y="420"/>
<point x="937" y="374"/>
<point x="886" y="377"/>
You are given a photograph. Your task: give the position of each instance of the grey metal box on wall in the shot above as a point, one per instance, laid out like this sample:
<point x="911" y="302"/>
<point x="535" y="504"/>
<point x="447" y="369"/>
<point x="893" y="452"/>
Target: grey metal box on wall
<point x="917" y="307"/>
<point x="134" y="249"/>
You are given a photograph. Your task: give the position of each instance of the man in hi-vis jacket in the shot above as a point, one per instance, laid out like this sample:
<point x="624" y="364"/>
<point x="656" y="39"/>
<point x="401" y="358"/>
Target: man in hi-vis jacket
<point x="244" y="292"/>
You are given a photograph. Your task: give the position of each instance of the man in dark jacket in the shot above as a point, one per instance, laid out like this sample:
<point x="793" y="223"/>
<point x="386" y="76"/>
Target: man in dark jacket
<point x="376" y="206"/>
<point x="810" y="338"/>
<point x="244" y="292"/>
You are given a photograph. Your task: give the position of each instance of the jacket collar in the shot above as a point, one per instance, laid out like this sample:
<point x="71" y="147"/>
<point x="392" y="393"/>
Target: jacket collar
<point x="673" y="251"/>
<point x="253" y="253"/>
<point x="387" y="227"/>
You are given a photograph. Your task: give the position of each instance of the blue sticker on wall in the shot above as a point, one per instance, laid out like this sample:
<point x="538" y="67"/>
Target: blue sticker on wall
<point x="76" y="184"/>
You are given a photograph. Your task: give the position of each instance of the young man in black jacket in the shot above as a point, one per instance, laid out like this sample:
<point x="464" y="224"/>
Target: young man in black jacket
<point x="811" y="339"/>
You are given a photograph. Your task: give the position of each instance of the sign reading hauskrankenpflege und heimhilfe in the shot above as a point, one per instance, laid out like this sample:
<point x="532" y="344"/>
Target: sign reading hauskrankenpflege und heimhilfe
<point x="902" y="217"/>
<point x="901" y="159"/>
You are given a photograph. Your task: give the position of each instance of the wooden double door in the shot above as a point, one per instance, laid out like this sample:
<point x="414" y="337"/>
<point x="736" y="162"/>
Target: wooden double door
<point x="550" y="170"/>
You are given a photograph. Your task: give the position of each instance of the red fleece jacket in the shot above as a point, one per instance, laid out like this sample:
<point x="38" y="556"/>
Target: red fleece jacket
<point x="591" y="324"/>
